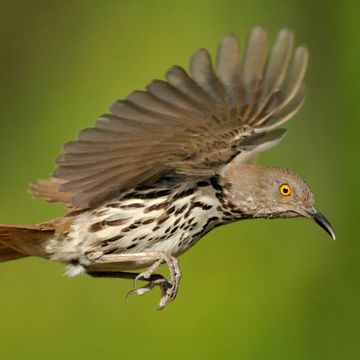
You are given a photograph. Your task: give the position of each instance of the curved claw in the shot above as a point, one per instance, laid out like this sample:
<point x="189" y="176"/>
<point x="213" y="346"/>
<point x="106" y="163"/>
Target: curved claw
<point x="139" y="277"/>
<point x="149" y="273"/>
<point x="168" y="288"/>
<point x="160" y="281"/>
<point x="140" y="291"/>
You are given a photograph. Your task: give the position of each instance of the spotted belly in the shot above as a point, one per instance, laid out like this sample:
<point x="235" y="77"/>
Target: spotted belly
<point x="170" y="223"/>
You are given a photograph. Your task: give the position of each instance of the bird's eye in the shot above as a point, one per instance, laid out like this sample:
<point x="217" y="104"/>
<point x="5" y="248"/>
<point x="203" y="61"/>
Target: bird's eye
<point x="285" y="190"/>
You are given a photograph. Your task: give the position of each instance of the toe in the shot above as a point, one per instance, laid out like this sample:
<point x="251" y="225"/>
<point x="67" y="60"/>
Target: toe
<point x="140" y="291"/>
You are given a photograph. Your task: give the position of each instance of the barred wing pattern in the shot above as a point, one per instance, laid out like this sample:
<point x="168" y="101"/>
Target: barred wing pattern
<point x="188" y="124"/>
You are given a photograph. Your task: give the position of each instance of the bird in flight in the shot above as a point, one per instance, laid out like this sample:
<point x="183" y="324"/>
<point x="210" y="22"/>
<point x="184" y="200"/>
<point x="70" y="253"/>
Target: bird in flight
<point x="168" y="164"/>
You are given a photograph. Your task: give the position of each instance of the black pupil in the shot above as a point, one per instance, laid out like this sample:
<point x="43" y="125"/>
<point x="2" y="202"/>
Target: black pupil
<point x="285" y="190"/>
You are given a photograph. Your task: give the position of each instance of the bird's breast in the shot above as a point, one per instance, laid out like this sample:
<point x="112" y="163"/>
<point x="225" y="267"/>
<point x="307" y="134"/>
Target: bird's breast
<point x="166" y="221"/>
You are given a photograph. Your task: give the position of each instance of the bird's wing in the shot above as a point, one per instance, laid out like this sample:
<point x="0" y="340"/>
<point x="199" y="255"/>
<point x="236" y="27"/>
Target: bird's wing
<point x="189" y="124"/>
<point x="49" y="190"/>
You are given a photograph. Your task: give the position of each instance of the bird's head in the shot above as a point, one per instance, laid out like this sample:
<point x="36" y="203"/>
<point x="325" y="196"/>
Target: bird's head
<point x="271" y="192"/>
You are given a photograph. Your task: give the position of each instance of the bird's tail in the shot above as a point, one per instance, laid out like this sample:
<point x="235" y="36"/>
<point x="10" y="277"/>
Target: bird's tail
<point x="17" y="241"/>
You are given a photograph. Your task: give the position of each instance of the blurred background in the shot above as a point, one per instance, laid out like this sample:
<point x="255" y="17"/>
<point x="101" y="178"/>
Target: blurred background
<point x="251" y="290"/>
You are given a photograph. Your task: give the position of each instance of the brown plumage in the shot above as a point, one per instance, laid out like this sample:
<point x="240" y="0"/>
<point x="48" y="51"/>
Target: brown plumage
<point x="187" y="124"/>
<point x="49" y="190"/>
<point x="168" y="164"/>
<point x="18" y="241"/>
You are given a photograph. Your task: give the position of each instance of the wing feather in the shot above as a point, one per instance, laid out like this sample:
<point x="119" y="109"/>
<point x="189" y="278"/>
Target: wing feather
<point x="253" y="65"/>
<point x="203" y="73"/>
<point x="187" y="124"/>
<point x="275" y="71"/>
<point x="228" y="68"/>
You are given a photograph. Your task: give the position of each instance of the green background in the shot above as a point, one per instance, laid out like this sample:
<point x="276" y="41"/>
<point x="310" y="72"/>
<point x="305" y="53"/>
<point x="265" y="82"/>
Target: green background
<point x="251" y="290"/>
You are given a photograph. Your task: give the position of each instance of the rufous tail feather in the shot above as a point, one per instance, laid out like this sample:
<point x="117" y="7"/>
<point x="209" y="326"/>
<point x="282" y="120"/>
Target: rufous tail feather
<point x="18" y="241"/>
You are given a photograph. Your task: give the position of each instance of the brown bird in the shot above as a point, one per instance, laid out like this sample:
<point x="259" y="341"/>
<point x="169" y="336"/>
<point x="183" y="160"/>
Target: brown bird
<point x="166" y="165"/>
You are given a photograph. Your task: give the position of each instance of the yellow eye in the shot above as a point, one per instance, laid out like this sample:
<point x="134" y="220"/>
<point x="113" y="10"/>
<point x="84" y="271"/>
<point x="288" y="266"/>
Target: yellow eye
<point x="285" y="190"/>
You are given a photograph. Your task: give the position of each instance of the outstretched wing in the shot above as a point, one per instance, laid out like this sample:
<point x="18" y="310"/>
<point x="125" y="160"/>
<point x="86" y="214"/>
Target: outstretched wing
<point x="188" y="124"/>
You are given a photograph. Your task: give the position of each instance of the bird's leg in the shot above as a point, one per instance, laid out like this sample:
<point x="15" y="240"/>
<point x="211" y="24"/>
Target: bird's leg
<point x="168" y="288"/>
<point x="153" y="280"/>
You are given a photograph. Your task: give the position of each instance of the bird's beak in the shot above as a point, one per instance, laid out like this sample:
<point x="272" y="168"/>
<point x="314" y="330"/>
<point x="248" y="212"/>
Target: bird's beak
<point x="321" y="220"/>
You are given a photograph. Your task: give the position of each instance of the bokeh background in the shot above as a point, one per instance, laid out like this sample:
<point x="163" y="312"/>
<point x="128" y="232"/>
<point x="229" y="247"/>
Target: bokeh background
<point x="251" y="290"/>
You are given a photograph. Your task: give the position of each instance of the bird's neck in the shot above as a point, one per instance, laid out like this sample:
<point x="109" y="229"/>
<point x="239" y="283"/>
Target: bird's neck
<point x="243" y="191"/>
<point x="230" y="212"/>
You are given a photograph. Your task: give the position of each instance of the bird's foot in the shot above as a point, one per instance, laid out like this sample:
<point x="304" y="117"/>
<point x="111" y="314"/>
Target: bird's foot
<point x="160" y="281"/>
<point x="168" y="289"/>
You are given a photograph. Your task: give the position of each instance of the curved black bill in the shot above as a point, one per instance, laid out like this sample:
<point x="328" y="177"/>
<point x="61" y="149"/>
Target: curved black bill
<point x="321" y="220"/>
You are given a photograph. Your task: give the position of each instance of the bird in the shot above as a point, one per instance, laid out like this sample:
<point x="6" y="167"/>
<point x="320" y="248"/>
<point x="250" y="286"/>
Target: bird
<point x="168" y="164"/>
